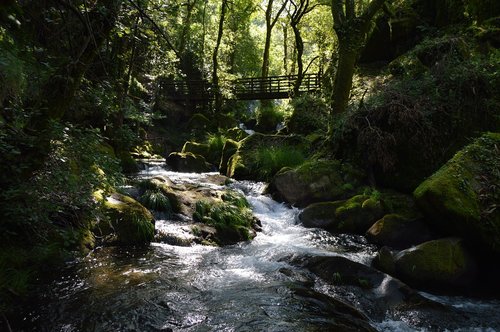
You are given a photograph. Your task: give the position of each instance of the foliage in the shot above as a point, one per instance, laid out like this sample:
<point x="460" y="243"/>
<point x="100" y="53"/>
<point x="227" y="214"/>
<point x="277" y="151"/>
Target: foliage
<point x="414" y="123"/>
<point x="270" y="160"/>
<point x="309" y="113"/>
<point x="269" y="116"/>
<point x="231" y="217"/>
<point x="155" y="200"/>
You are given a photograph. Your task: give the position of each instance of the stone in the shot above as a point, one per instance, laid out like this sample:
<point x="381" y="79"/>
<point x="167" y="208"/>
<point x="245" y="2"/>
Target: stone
<point x="437" y="264"/>
<point x="316" y="181"/>
<point x="460" y="198"/>
<point x="188" y="162"/>
<point x="397" y="231"/>
<point x="125" y="220"/>
<point x="354" y="215"/>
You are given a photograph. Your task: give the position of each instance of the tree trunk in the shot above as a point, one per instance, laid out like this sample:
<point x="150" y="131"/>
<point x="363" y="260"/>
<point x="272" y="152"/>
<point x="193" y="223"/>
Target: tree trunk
<point x="343" y="77"/>
<point x="299" y="44"/>
<point x="265" y="57"/>
<point x="215" y="75"/>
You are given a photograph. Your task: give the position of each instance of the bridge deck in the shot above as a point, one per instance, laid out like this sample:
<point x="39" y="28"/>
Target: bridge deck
<point x="254" y="88"/>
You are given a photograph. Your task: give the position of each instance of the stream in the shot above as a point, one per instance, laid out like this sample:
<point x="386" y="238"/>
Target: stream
<point x="250" y="286"/>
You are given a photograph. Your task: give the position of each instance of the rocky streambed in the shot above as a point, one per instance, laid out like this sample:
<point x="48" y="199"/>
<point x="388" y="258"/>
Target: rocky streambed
<point x="281" y="277"/>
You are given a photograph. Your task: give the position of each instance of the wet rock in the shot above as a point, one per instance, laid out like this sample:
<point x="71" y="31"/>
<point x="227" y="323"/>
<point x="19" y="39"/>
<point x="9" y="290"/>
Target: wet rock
<point x="436" y="264"/>
<point x="229" y="215"/>
<point x="459" y="198"/>
<point x="125" y="220"/>
<point x="229" y="149"/>
<point x="399" y="232"/>
<point x="354" y="215"/>
<point x="188" y="162"/>
<point x="196" y="148"/>
<point x="341" y="316"/>
<point x="376" y="291"/>
<point x="317" y="181"/>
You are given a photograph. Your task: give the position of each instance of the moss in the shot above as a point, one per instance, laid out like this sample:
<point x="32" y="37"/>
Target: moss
<point x="161" y="186"/>
<point x="230" y="216"/>
<point x="236" y="134"/>
<point x="131" y="222"/>
<point x="316" y="181"/>
<point x="229" y="149"/>
<point x="357" y="214"/>
<point x="460" y="198"/>
<point x="195" y="148"/>
<point x="187" y="162"/>
<point x="260" y="156"/>
<point x="436" y="263"/>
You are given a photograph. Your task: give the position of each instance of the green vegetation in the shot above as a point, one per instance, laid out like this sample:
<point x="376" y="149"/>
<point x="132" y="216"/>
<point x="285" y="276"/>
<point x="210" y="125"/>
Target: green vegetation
<point x="231" y="218"/>
<point x="89" y="87"/>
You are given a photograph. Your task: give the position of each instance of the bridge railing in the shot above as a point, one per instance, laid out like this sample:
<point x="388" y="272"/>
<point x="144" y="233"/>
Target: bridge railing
<point x="243" y="88"/>
<point x="276" y="84"/>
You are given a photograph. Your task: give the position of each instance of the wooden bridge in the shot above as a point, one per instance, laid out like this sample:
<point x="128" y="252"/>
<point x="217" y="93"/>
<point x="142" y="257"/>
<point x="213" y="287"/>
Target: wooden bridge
<point x="254" y="88"/>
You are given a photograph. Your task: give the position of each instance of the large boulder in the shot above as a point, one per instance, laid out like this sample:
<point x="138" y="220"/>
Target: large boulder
<point x="317" y="181"/>
<point x="397" y="231"/>
<point x="261" y="156"/>
<point x="354" y="215"/>
<point x="462" y="197"/>
<point x="196" y="148"/>
<point x="125" y="220"/>
<point x="229" y="215"/>
<point x="375" y="291"/>
<point x="229" y="149"/>
<point x="438" y="264"/>
<point x="188" y="162"/>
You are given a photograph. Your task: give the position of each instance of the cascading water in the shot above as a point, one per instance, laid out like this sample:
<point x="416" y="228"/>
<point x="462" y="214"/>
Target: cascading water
<point x="246" y="287"/>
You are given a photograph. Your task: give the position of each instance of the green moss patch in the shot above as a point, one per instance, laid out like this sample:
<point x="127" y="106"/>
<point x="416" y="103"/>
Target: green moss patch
<point x="230" y="216"/>
<point x="461" y="198"/>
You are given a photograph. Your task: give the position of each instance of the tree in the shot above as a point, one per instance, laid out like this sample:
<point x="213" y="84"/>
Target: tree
<point x="270" y="23"/>
<point x="300" y="8"/>
<point x="352" y="25"/>
<point x="215" y="62"/>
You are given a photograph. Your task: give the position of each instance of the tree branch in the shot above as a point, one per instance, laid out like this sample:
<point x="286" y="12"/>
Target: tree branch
<point x="157" y="28"/>
<point x="372" y="9"/>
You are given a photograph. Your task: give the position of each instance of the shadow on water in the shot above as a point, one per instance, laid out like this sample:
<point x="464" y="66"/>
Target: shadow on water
<point x="252" y="286"/>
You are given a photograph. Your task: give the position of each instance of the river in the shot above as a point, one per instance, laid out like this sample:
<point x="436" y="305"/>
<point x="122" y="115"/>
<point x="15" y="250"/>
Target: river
<point x="250" y="286"/>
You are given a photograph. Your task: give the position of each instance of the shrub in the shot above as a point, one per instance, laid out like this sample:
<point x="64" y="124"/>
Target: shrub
<point x="309" y="113"/>
<point x="269" y="116"/>
<point x="269" y="160"/>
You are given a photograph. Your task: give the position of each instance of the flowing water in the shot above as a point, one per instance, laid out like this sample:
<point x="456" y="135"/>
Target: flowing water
<point x="245" y="287"/>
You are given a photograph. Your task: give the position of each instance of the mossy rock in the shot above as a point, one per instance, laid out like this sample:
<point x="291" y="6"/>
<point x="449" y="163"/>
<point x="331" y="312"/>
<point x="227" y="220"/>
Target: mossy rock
<point x="236" y="134"/>
<point x="128" y="163"/>
<point x="188" y="162"/>
<point x="398" y="231"/>
<point x="317" y="181"/>
<point x="199" y="122"/>
<point x="357" y="214"/>
<point x="384" y="261"/>
<point x="246" y="164"/>
<point x="460" y="198"/>
<point x="229" y="215"/>
<point x="354" y="215"/>
<point x="268" y="117"/>
<point x="436" y="264"/>
<point x="320" y="215"/>
<point x="196" y="148"/>
<point x="229" y="149"/>
<point x="126" y="220"/>
<point x="156" y="194"/>
<point x="407" y="64"/>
